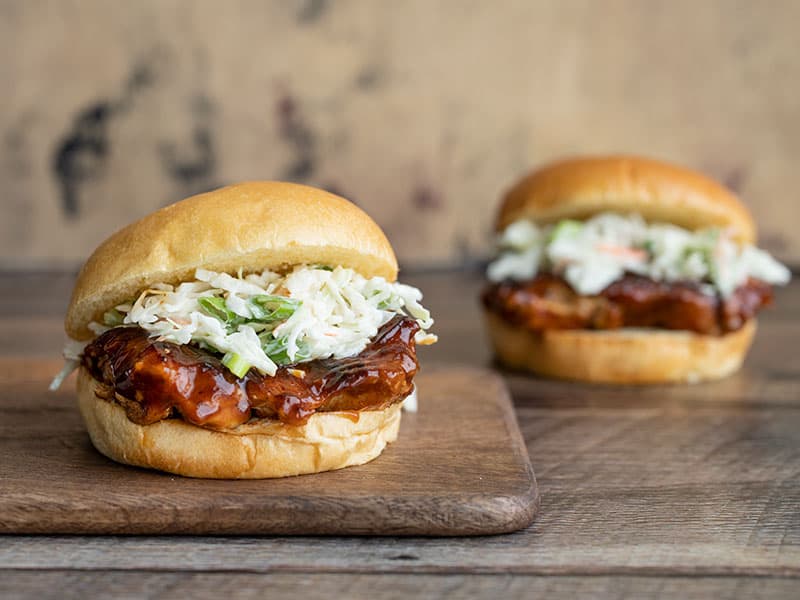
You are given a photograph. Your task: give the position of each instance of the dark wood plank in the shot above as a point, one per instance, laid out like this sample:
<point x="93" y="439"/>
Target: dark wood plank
<point x="311" y="586"/>
<point x="541" y="550"/>
<point x="54" y="481"/>
<point x="35" y="293"/>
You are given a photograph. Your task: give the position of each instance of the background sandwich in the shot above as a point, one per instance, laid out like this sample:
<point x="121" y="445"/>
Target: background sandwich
<point x="253" y="331"/>
<point x="625" y="270"/>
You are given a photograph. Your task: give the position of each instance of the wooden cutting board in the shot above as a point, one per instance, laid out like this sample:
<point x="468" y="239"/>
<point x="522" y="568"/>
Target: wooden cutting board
<point x="460" y="467"/>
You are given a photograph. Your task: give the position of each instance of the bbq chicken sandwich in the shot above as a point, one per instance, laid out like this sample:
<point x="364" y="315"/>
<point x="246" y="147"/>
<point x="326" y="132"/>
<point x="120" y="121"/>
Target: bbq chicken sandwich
<point x="625" y="270"/>
<point x="254" y="331"/>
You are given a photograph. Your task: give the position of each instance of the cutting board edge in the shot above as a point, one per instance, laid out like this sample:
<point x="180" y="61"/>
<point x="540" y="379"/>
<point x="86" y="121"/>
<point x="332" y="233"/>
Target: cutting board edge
<point x="480" y="512"/>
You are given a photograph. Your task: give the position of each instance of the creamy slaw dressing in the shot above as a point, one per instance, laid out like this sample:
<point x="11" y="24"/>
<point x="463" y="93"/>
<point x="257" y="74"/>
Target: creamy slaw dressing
<point x="592" y="254"/>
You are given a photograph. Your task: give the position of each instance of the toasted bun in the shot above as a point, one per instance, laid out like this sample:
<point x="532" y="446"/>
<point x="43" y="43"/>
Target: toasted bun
<point x="252" y="226"/>
<point x="626" y="356"/>
<point x="259" y="450"/>
<point x="581" y="187"/>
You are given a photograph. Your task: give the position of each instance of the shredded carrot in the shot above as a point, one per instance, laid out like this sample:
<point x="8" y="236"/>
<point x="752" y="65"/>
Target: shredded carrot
<point x="622" y="251"/>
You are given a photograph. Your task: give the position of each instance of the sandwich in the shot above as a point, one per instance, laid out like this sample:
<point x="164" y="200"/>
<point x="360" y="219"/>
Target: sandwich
<point x="625" y="270"/>
<point x="254" y="331"/>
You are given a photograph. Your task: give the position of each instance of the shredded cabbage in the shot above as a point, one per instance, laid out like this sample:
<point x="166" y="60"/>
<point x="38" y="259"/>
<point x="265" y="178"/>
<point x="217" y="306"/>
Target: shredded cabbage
<point x="268" y="319"/>
<point x="72" y="358"/>
<point x="593" y="254"/>
<point x="411" y="402"/>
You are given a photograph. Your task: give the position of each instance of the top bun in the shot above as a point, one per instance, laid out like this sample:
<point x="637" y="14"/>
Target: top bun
<point x="579" y="188"/>
<point x="250" y="226"/>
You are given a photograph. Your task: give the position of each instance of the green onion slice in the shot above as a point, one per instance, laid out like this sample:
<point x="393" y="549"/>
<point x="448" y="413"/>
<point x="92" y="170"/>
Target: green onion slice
<point x="236" y="364"/>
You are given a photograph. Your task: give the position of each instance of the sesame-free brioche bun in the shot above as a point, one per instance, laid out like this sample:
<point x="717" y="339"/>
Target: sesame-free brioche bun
<point x="621" y="356"/>
<point x="256" y="450"/>
<point x="579" y="188"/>
<point x="251" y="226"/>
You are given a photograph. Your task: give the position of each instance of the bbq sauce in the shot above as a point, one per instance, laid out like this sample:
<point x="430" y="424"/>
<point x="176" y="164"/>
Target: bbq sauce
<point x="548" y="302"/>
<point x="154" y="380"/>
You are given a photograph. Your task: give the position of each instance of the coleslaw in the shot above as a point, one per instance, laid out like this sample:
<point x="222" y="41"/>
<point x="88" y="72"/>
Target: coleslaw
<point x="592" y="254"/>
<point x="265" y="320"/>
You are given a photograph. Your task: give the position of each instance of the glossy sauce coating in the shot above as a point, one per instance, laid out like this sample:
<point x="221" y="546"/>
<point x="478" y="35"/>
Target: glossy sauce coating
<point x="154" y="380"/>
<point x="548" y="302"/>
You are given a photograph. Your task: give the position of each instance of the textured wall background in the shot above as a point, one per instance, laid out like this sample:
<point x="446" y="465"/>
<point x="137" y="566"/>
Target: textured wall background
<point x="419" y="111"/>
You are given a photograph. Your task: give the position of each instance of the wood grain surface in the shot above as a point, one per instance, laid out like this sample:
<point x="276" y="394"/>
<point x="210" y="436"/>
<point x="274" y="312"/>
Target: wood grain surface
<point x="459" y="467"/>
<point x="668" y="491"/>
<point x="61" y="585"/>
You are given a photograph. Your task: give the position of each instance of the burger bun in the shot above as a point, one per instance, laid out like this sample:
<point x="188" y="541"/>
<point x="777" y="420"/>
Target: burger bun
<point x="258" y="449"/>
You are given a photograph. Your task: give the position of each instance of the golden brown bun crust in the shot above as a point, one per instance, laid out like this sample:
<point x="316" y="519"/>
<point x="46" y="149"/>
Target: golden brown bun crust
<point x="581" y="187"/>
<point x="253" y="226"/>
<point x="262" y="450"/>
<point x="625" y="356"/>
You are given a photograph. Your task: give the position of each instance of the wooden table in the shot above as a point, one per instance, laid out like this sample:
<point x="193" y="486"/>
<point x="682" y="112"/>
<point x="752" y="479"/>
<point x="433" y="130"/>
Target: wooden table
<point x="665" y="492"/>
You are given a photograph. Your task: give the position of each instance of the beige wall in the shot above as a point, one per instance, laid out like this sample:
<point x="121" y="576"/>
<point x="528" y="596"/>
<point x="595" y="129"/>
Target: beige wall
<point x="420" y="111"/>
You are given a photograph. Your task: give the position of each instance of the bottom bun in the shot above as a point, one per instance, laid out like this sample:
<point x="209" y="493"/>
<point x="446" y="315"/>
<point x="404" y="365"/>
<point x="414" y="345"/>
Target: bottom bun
<point x="257" y="450"/>
<point x="627" y="356"/>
